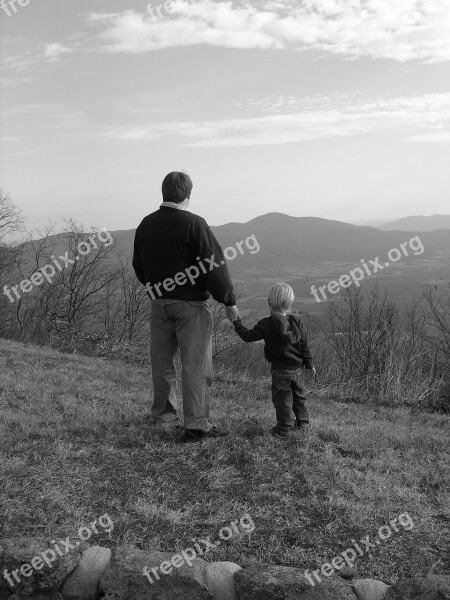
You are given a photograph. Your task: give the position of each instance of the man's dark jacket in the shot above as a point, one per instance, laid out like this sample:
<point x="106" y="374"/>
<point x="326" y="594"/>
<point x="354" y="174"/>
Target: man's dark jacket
<point x="170" y="241"/>
<point x="286" y="346"/>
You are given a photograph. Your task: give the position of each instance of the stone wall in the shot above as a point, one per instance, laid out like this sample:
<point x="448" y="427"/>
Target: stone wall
<point x="28" y="571"/>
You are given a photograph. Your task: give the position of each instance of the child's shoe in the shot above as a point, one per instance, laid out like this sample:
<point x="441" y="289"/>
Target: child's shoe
<point x="301" y="425"/>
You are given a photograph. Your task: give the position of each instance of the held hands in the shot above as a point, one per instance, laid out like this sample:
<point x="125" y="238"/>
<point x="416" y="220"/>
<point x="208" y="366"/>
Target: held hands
<point x="232" y="313"/>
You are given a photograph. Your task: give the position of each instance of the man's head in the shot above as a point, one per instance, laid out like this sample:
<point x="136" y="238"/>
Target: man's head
<point x="281" y="297"/>
<point x="176" y="187"/>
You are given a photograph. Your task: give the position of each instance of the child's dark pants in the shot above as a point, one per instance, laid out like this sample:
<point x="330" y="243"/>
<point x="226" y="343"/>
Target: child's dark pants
<point x="288" y="397"/>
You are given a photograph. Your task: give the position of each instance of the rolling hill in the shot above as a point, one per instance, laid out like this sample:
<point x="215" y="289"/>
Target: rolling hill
<point x="419" y="223"/>
<point x="306" y="250"/>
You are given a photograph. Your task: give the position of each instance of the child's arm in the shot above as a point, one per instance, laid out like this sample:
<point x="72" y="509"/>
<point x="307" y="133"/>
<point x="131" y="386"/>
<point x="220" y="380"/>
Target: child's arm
<point x="249" y="335"/>
<point x="304" y="350"/>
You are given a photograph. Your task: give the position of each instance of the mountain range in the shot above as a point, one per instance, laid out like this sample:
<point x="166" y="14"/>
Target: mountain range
<point x="306" y="251"/>
<point x="310" y="251"/>
<point x="419" y="223"/>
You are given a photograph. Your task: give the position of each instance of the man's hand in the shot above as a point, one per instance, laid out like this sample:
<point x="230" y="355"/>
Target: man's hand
<point x="232" y="313"/>
<point x="311" y="372"/>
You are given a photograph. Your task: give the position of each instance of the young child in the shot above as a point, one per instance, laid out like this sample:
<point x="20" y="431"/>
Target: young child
<point x="286" y="348"/>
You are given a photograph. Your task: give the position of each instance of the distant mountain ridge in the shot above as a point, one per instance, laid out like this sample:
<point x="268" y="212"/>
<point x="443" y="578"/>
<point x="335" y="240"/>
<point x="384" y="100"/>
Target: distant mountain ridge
<point x="306" y="251"/>
<point x="291" y="242"/>
<point x="294" y="241"/>
<point x="418" y="223"/>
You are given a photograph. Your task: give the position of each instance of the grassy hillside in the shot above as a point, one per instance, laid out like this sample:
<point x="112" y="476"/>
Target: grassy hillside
<point x="74" y="444"/>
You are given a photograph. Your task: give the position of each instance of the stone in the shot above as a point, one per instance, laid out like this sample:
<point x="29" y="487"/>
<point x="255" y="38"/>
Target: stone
<point x="347" y="572"/>
<point x="52" y="596"/>
<point x="433" y="587"/>
<point x="272" y="582"/>
<point x="260" y="583"/>
<point x="124" y="579"/>
<point x="84" y="581"/>
<point x="370" y="589"/>
<point x="219" y="578"/>
<point x="19" y="552"/>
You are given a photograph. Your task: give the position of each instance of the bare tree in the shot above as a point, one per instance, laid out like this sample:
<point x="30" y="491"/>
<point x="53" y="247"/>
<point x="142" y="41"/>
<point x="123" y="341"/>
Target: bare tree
<point x="436" y="312"/>
<point x="363" y="330"/>
<point x="28" y="256"/>
<point x="125" y="312"/>
<point x="76" y="292"/>
<point x="11" y="219"/>
<point x="11" y="222"/>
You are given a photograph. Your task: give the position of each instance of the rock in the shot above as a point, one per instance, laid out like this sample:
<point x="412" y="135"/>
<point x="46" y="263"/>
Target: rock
<point x="124" y="579"/>
<point x="370" y="589"/>
<point x="433" y="587"/>
<point x="259" y="583"/>
<point x="287" y="583"/>
<point x="17" y="555"/>
<point x="347" y="572"/>
<point x="83" y="582"/>
<point x="220" y="580"/>
<point x="330" y="588"/>
<point x="52" y="596"/>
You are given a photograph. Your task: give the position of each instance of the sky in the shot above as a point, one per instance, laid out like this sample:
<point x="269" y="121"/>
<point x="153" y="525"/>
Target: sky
<point x="337" y="109"/>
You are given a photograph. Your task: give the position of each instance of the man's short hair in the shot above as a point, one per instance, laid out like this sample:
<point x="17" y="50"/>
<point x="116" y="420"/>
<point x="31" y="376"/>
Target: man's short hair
<point x="176" y="187"/>
<point x="281" y="297"/>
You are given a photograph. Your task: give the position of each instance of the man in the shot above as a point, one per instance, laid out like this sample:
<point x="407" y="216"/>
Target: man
<point x="178" y="259"/>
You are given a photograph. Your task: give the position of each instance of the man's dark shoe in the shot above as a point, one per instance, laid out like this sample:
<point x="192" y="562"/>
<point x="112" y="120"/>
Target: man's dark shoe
<point x="193" y="435"/>
<point x="197" y="435"/>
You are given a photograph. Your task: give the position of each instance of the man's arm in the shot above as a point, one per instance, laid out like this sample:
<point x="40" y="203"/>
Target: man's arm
<point x="137" y="260"/>
<point x="249" y="335"/>
<point x="217" y="277"/>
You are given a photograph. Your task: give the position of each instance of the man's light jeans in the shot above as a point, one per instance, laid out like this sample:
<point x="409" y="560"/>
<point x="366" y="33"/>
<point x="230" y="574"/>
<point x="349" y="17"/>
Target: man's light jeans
<point x="186" y="326"/>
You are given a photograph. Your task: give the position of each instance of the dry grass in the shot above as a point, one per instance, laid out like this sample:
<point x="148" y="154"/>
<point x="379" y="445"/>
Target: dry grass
<point x="73" y="445"/>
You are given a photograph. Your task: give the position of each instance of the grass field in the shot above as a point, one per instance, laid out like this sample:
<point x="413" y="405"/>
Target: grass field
<point x="74" y="445"/>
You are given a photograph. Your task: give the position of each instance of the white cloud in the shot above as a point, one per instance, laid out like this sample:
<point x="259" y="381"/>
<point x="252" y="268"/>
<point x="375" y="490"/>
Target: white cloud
<point x="47" y="116"/>
<point x="398" y="29"/>
<point x="30" y="57"/>
<point x="9" y="82"/>
<point x="430" y="111"/>
<point x="53" y="52"/>
<point x="437" y="136"/>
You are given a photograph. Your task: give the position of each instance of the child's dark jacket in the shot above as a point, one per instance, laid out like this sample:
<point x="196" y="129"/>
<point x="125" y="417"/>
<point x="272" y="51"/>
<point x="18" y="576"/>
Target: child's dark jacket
<point x="286" y="346"/>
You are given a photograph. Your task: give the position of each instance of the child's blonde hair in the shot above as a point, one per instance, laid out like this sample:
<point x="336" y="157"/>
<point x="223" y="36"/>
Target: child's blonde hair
<point x="281" y="297"/>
